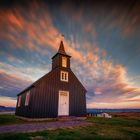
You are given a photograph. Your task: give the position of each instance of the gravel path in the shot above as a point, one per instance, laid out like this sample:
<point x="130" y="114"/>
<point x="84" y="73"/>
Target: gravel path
<point x="33" y="127"/>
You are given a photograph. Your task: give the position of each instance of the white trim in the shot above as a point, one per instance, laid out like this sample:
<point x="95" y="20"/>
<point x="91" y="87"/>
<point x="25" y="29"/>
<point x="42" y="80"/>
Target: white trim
<point x="27" y="98"/>
<point x="19" y="100"/>
<point x="64" y="76"/>
<point x="61" y="111"/>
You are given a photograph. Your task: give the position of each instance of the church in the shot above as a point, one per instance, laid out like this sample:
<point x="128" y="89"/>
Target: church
<point x="58" y="93"/>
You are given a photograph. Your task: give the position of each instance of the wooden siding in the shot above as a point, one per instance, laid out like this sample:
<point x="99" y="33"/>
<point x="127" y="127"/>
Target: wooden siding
<point x="23" y="110"/>
<point x="44" y="96"/>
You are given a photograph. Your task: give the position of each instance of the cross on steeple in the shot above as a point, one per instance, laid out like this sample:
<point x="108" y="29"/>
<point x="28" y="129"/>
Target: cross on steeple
<point x="62" y="37"/>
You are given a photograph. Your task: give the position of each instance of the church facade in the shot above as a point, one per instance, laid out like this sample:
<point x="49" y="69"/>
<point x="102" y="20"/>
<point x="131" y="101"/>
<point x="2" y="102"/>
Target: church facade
<point x="58" y="93"/>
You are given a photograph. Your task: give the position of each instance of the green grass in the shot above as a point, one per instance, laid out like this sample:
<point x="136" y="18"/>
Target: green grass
<point x="102" y="129"/>
<point x="10" y="119"/>
<point x="116" y="121"/>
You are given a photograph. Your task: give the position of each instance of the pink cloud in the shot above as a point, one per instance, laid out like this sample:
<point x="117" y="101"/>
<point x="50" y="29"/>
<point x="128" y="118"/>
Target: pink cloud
<point x="107" y="80"/>
<point x="7" y="101"/>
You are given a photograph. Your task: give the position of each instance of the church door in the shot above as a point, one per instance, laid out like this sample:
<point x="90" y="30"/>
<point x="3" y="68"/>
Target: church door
<point x="63" y="103"/>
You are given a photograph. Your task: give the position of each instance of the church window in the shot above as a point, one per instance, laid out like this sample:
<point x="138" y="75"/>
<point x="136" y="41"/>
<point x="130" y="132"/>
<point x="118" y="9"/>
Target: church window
<point x="19" y="100"/>
<point x="27" y="98"/>
<point x="64" y="61"/>
<point x="64" y="76"/>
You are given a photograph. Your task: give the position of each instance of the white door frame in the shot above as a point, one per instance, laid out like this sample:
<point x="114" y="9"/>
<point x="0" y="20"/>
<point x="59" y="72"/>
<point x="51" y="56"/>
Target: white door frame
<point x="60" y="111"/>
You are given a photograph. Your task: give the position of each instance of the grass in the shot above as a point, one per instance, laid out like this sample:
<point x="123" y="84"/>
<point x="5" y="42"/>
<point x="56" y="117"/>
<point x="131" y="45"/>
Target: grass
<point x="12" y="119"/>
<point x="102" y="129"/>
<point x="116" y="121"/>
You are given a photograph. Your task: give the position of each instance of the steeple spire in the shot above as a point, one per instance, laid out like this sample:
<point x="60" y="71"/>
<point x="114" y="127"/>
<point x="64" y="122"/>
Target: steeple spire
<point x="59" y="57"/>
<point x="61" y="49"/>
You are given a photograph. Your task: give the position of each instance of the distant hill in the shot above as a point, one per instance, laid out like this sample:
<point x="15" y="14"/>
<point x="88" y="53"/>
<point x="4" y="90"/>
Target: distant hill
<point x="4" y="108"/>
<point x="95" y="110"/>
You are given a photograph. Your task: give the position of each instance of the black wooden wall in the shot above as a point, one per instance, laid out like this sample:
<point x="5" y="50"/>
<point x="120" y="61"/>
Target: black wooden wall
<point x="44" y="96"/>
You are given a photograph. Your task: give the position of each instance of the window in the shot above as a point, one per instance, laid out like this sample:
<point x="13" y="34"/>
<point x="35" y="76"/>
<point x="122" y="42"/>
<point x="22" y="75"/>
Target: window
<point x="19" y="100"/>
<point x="64" y="76"/>
<point x="27" y="98"/>
<point x="64" y="61"/>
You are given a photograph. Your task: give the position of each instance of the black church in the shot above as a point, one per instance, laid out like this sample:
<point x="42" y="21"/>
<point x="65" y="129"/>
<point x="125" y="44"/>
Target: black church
<point x="58" y="93"/>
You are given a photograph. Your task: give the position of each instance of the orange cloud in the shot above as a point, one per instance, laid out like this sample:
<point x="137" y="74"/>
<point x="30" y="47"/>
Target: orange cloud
<point x="7" y="101"/>
<point x="113" y="105"/>
<point x="35" y="32"/>
<point x="15" y="20"/>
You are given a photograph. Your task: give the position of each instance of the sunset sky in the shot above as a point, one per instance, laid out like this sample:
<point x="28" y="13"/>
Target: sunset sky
<point x="103" y="39"/>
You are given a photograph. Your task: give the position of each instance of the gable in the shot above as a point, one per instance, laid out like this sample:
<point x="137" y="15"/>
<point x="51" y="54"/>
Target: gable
<point x="55" y="75"/>
<point x="77" y="80"/>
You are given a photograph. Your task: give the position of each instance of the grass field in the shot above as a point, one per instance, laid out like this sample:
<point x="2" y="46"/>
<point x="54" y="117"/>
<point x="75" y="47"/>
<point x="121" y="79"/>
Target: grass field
<point x="9" y="119"/>
<point x="12" y="119"/>
<point x="115" y="128"/>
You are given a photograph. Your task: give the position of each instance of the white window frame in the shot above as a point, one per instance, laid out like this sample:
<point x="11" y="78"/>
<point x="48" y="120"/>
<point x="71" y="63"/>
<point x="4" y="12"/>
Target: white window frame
<point x="27" y="99"/>
<point x="64" y="76"/>
<point x="19" y="101"/>
<point x="64" y="61"/>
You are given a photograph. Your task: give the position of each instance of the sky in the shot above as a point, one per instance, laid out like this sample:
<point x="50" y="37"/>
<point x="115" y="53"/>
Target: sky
<point x="103" y="38"/>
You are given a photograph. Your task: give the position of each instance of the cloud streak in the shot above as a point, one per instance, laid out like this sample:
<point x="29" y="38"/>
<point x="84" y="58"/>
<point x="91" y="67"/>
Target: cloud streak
<point x="35" y="35"/>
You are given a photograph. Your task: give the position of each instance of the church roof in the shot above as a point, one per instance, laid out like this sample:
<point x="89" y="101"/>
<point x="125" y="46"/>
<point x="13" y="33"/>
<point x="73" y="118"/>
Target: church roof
<point x="47" y="76"/>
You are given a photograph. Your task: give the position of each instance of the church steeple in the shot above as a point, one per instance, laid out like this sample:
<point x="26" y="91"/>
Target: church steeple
<point x="60" y="58"/>
<point x="61" y="48"/>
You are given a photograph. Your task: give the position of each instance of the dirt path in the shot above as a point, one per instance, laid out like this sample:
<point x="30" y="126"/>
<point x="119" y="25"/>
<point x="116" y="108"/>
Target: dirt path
<point x="21" y="128"/>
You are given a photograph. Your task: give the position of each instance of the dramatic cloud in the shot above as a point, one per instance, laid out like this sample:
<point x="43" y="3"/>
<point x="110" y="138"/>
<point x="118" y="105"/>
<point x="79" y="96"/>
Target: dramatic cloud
<point x="28" y="40"/>
<point x="11" y="85"/>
